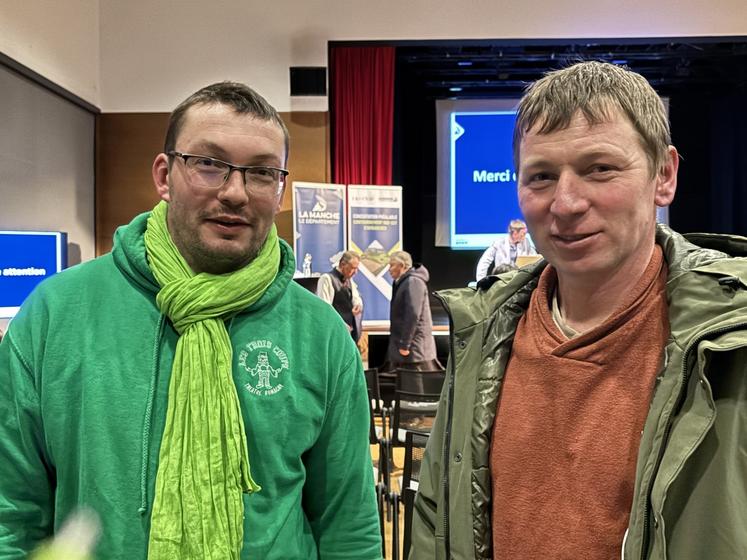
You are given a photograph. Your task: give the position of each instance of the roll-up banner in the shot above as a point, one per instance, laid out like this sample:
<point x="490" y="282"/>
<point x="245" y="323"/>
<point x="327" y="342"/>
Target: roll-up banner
<point x="318" y="226"/>
<point x="375" y="219"/>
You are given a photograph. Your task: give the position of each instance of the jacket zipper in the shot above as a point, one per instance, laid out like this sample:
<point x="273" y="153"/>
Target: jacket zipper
<point x="447" y="430"/>
<point x="682" y="393"/>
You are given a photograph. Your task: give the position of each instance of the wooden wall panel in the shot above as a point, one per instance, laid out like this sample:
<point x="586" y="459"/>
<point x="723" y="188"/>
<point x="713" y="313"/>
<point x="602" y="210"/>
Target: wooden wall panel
<point x="127" y="143"/>
<point x="308" y="161"/>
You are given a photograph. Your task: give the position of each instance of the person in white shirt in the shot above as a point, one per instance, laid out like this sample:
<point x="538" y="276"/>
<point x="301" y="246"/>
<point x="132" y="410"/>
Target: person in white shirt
<point x="505" y="249"/>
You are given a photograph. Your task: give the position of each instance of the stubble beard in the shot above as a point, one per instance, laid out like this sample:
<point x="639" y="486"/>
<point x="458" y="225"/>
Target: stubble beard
<point x="202" y="258"/>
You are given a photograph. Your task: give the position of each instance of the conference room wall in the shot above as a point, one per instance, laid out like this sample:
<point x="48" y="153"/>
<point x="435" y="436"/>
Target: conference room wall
<point x="146" y="55"/>
<point x="46" y="165"/>
<point x="153" y="51"/>
<point x="59" y="40"/>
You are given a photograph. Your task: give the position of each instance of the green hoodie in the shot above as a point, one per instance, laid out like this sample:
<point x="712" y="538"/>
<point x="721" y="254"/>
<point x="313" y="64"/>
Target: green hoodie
<point x="82" y="411"/>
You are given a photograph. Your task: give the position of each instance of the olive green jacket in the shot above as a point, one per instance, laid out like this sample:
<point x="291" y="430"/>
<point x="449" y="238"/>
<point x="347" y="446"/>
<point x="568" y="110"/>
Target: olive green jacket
<point x="690" y="496"/>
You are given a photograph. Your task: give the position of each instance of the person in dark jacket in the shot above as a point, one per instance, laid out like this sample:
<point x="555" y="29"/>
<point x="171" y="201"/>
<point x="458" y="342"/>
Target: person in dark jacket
<point x="411" y="343"/>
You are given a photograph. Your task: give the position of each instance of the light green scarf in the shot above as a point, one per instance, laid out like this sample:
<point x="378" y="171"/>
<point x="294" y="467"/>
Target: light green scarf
<point x="203" y="465"/>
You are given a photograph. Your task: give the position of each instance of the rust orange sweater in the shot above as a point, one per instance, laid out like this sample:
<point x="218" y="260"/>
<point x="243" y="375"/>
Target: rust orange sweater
<point x="567" y="430"/>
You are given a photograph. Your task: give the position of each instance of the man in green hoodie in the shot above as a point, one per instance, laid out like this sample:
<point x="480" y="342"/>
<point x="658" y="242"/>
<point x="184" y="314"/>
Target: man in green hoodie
<point x="182" y="387"/>
<point x="595" y="402"/>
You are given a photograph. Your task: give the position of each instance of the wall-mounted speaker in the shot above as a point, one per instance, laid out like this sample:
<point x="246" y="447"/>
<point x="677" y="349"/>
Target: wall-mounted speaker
<point x="308" y="80"/>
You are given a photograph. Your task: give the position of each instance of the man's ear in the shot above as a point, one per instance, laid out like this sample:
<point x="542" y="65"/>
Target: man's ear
<point x="666" y="180"/>
<point x="160" y="172"/>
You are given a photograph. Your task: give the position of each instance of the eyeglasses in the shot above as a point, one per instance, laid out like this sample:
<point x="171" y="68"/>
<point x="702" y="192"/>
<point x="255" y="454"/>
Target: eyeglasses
<point x="210" y="173"/>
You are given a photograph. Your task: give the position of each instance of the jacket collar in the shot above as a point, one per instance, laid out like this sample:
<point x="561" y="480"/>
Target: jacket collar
<point x="698" y="294"/>
<point x="706" y="287"/>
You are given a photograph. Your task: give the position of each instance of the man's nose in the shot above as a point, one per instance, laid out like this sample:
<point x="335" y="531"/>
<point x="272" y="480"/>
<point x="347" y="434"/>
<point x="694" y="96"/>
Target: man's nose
<point x="570" y="195"/>
<point x="234" y="189"/>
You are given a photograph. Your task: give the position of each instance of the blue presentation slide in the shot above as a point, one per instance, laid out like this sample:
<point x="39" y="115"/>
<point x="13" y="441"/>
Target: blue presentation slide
<point x="27" y="258"/>
<point x="483" y="178"/>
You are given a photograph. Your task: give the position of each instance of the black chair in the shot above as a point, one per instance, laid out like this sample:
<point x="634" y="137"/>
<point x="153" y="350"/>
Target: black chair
<point x="387" y="385"/>
<point x="442" y="348"/>
<point x="422" y="383"/>
<point x="394" y="498"/>
<point x="381" y="501"/>
<point x="415" y="402"/>
<point x="414" y="408"/>
<point x="375" y="437"/>
<point x="374" y="388"/>
<point x="414" y="450"/>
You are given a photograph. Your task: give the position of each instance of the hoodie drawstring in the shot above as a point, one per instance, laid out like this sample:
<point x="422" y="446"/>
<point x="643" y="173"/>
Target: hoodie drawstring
<point x="148" y="417"/>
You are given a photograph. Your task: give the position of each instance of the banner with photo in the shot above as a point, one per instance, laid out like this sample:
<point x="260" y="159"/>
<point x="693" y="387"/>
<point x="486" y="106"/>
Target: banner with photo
<point x="318" y="226"/>
<point x="375" y="220"/>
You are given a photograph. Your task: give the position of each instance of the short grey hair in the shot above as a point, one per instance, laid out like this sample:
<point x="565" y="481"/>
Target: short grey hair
<point x="348" y="256"/>
<point x="402" y="257"/>
<point x="597" y="89"/>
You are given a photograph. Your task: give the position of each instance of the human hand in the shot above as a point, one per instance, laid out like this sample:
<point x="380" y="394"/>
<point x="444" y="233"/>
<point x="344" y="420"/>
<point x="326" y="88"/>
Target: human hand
<point x="403" y="352"/>
<point x="74" y="540"/>
<point x="357" y="310"/>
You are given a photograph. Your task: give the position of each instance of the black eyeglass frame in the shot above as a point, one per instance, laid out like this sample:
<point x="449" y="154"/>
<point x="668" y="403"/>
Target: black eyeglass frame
<point x="231" y="167"/>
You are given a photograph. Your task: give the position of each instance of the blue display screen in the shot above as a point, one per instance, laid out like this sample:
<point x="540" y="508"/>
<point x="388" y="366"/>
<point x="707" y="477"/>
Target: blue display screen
<point x="27" y="258"/>
<point x="483" y="178"/>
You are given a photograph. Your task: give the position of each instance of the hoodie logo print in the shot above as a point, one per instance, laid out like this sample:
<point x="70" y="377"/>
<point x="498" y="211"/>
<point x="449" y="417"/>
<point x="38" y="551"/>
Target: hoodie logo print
<point x="264" y="362"/>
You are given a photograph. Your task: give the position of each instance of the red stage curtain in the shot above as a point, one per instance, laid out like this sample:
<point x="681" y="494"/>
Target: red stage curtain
<point x="363" y="114"/>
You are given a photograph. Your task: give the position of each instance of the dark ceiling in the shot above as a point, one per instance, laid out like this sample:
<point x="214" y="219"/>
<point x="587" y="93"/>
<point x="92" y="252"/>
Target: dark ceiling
<point x="498" y="68"/>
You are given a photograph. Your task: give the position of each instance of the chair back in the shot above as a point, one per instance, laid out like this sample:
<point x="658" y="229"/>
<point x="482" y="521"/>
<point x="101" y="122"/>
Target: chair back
<point x="374" y="388"/>
<point x="416" y="402"/>
<point x="373" y="437"/>
<point x="442" y="348"/>
<point x="426" y="382"/>
<point x="415" y="443"/>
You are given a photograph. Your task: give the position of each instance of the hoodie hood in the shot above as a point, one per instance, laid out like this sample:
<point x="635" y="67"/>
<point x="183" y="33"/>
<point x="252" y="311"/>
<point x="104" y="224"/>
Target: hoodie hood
<point x="129" y="253"/>
<point x="418" y="270"/>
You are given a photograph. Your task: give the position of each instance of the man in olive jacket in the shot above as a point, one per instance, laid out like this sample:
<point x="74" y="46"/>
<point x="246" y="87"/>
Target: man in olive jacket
<point x="595" y="404"/>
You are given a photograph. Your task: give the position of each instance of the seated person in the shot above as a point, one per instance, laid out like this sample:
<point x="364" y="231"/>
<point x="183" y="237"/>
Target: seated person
<point x="505" y="249"/>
